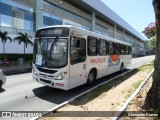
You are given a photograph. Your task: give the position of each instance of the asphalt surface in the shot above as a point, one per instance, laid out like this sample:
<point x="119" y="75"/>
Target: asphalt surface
<point x="21" y="93"/>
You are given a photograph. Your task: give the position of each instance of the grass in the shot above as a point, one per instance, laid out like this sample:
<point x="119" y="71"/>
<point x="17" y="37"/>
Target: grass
<point x="152" y="62"/>
<point x="146" y="68"/>
<point x="136" y="85"/>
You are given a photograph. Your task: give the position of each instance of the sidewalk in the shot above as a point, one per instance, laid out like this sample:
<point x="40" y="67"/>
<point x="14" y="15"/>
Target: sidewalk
<point x="17" y="69"/>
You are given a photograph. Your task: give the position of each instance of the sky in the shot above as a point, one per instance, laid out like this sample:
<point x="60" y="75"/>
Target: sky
<point x="137" y="13"/>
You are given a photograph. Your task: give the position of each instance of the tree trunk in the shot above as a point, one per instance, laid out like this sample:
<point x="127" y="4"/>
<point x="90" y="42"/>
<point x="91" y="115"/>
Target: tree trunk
<point x="4" y="51"/>
<point x="24" y="53"/>
<point x="152" y="100"/>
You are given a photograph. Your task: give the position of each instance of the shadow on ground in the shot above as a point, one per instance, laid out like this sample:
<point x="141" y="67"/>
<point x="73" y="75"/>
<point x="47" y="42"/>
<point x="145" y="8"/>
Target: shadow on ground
<point x="103" y="88"/>
<point x="57" y="96"/>
<point x="2" y="90"/>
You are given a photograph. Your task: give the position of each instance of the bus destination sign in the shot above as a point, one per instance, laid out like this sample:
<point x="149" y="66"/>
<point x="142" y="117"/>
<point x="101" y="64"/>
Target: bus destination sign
<point x="53" y="32"/>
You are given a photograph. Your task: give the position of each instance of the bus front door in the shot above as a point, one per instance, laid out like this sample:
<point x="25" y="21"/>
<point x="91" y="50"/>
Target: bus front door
<point x="77" y="61"/>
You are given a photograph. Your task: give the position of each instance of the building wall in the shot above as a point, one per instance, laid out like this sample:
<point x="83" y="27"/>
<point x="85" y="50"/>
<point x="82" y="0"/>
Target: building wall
<point x="72" y="8"/>
<point x="67" y="14"/>
<point x="20" y="16"/>
<point x="29" y="3"/>
<point x="104" y="28"/>
<point x="128" y="38"/>
<point x="119" y="34"/>
<point x="17" y="16"/>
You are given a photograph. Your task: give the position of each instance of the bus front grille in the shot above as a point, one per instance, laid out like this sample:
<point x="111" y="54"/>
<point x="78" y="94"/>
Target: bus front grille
<point x="46" y="70"/>
<point x="45" y="81"/>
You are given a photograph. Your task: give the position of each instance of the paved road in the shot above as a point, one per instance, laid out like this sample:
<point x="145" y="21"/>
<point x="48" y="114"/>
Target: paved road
<point x="21" y="93"/>
<point x="139" y="61"/>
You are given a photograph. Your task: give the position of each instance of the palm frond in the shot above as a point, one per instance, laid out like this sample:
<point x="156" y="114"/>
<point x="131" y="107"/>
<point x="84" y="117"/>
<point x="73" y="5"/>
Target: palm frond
<point x="23" y="38"/>
<point x="9" y="38"/>
<point x="4" y="37"/>
<point x="5" y="33"/>
<point x="20" y="41"/>
<point x="21" y="34"/>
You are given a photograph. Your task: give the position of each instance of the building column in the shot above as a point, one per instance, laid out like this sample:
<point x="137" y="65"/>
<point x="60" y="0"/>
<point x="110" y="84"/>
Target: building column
<point x="93" y="21"/>
<point x="132" y="40"/>
<point x="123" y="35"/>
<point x="39" y="14"/>
<point x="114" y="31"/>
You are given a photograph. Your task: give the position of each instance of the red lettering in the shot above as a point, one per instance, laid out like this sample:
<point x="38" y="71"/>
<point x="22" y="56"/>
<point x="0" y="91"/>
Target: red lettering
<point x="91" y="61"/>
<point x="99" y="60"/>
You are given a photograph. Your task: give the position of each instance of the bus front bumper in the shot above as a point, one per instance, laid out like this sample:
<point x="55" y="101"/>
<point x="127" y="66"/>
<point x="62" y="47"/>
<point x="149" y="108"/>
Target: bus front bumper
<point x="60" y="84"/>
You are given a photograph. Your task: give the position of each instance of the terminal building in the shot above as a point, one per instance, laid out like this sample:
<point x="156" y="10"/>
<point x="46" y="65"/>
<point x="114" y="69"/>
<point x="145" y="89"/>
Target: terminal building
<point x="27" y="16"/>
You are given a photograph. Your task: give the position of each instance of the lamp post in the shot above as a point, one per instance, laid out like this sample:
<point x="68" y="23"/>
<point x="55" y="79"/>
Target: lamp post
<point x="53" y="8"/>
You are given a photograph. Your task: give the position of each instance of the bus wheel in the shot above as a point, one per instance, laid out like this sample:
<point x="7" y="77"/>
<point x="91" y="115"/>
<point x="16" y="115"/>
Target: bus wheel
<point x="0" y="84"/>
<point x="91" y="77"/>
<point x="121" y="68"/>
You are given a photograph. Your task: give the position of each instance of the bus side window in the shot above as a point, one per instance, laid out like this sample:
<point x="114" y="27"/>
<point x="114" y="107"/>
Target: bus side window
<point x="102" y="47"/>
<point x="78" y="50"/>
<point x="92" y="46"/>
<point x="118" y="52"/>
<point x="126" y="49"/>
<point x="129" y="50"/>
<point x="122" y="49"/>
<point x="111" y="49"/>
<point x="114" y="49"/>
<point x="107" y="48"/>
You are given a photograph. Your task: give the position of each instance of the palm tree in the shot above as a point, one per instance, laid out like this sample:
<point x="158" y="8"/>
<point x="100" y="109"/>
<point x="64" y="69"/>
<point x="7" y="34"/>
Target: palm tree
<point x="152" y="100"/>
<point x="23" y="38"/>
<point x="4" y="37"/>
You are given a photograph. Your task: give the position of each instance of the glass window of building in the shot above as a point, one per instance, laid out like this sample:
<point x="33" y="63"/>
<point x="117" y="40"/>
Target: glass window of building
<point x="17" y="15"/>
<point x="6" y="20"/>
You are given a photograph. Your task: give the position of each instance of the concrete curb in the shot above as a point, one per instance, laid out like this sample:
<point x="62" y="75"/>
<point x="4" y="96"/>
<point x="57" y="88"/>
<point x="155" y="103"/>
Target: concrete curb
<point x="12" y="70"/>
<point x="18" y="71"/>
<point x="123" y="108"/>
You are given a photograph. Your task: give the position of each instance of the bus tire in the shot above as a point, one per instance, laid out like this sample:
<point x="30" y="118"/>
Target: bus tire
<point x="0" y="84"/>
<point x="121" y="68"/>
<point x="91" y="77"/>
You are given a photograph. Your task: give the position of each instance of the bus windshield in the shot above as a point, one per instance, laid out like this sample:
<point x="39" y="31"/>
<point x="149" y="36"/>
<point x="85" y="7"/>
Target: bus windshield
<point x="51" y="52"/>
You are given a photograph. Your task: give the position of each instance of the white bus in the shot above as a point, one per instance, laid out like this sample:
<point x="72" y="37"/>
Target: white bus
<point x="65" y="56"/>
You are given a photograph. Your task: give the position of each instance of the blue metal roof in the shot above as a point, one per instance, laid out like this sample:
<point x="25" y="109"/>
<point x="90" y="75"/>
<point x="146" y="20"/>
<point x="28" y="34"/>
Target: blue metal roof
<point x="100" y="7"/>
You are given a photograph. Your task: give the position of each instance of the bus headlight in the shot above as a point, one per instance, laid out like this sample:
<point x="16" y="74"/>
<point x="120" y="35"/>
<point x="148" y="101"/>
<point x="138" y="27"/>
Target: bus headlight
<point x="61" y="76"/>
<point x="35" y="72"/>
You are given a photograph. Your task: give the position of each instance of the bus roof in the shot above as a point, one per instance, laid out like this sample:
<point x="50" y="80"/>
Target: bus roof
<point x="90" y="33"/>
<point x="57" y="26"/>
